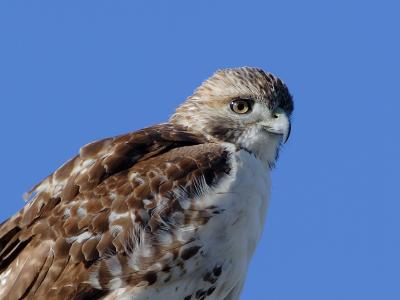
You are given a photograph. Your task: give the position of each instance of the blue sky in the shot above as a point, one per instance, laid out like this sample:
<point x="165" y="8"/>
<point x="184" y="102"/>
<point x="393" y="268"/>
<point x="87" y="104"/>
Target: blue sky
<point x="75" y="71"/>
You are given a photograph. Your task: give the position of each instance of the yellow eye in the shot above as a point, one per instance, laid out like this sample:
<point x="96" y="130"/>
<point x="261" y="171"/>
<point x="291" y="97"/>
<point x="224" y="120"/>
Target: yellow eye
<point x="240" y="106"/>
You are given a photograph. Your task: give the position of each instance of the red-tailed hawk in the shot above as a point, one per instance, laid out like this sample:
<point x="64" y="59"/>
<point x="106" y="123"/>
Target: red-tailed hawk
<point x="172" y="211"/>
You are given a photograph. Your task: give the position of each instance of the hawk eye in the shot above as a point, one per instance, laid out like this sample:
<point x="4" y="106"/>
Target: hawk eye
<point x="240" y="106"/>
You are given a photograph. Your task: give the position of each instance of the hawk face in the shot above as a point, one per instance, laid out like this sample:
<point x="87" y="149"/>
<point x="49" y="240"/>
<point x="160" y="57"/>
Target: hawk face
<point x="245" y="106"/>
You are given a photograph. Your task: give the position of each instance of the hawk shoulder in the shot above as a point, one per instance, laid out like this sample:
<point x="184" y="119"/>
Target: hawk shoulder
<point x="111" y="216"/>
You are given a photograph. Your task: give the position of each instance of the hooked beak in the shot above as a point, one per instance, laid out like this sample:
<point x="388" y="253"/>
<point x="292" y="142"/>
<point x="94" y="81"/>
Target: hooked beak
<point x="279" y="124"/>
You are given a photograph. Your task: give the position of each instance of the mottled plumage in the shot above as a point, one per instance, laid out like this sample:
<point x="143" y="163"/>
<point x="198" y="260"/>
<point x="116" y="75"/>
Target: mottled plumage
<point x="172" y="211"/>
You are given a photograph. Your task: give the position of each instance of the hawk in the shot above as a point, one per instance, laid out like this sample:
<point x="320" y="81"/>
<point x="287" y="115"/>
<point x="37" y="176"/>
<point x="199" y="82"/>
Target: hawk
<point x="172" y="211"/>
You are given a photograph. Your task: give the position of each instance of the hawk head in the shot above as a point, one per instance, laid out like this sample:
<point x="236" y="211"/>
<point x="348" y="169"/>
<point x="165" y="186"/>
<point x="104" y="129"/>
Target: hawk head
<point x="244" y="106"/>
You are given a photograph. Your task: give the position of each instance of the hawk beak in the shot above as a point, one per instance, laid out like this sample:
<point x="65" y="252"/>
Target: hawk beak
<point x="287" y="133"/>
<point x="279" y="124"/>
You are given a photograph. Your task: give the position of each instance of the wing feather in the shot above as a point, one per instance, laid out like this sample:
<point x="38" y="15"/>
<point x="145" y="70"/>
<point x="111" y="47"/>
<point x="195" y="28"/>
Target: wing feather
<point x="109" y="213"/>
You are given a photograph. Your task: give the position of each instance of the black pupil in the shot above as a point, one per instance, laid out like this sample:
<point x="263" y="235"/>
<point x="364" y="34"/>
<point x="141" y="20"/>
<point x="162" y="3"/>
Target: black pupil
<point x="241" y="106"/>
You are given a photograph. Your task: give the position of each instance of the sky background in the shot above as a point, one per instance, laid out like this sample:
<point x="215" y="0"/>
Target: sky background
<point x="75" y="71"/>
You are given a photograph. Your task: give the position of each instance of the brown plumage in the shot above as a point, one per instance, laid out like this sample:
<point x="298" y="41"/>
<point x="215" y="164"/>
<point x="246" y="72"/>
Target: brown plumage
<point x="126" y="212"/>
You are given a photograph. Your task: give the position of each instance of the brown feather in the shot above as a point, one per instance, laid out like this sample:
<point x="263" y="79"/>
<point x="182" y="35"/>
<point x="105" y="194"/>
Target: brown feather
<point x="125" y="211"/>
<point x="77" y="199"/>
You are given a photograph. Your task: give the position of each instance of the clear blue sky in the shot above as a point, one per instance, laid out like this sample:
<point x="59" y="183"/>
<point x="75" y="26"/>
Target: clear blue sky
<point x="75" y="71"/>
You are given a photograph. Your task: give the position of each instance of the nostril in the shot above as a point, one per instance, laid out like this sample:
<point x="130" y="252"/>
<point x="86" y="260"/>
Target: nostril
<point x="277" y="113"/>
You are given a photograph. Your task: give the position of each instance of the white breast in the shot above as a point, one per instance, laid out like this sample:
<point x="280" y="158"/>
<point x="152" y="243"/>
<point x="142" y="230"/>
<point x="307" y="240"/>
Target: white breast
<point x="234" y="235"/>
